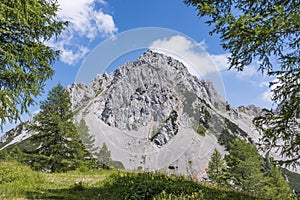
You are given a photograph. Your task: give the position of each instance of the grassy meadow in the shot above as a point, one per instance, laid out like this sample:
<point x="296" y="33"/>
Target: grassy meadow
<point x="20" y="182"/>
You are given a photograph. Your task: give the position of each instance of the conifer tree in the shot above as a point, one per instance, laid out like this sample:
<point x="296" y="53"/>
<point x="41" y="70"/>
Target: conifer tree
<point x="25" y="59"/>
<point x="104" y="156"/>
<point x="85" y="137"/>
<point x="245" y="167"/>
<point x="249" y="172"/>
<point x="217" y="169"/>
<point x="57" y="136"/>
<point x="3" y="154"/>
<point x="16" y="154"/>
<point x="277" y="187"/>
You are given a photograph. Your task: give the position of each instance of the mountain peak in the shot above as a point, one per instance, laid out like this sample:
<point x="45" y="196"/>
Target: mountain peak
<point x="160" y="60"/>
<point x="153" y="114"/>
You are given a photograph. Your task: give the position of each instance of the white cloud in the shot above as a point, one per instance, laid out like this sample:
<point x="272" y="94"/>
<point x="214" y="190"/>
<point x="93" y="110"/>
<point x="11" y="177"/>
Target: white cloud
<point x="221" y="61"/>
<point x="267" y="96"/>
<point x="248" y="72"/>
<point x="70" y="57"/>
<point x="86" y="22"/>
<point x="264" y="84"/>
<point x="193" y="55"/>
<point x="85" y="19"/>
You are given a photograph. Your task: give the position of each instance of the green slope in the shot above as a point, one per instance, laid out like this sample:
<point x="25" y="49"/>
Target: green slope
<point x="20" y="182"/>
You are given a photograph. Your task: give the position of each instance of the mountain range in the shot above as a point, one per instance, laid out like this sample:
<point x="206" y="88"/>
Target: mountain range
<point x="153" y="115"/>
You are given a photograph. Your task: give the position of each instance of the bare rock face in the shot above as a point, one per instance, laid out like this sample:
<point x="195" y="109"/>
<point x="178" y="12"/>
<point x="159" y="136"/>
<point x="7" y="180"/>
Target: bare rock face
<point x="252" y="110"/>
<point x="147" y="93"/>
<point x="167" y="131"/>
<point x="80" y="93"/>
<point x="136" y="97"/>
<point x="149" y="90"/>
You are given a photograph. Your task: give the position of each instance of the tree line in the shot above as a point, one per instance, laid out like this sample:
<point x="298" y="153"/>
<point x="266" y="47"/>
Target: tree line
<point x="246" y="170"/>
<point x="58" y="143"/>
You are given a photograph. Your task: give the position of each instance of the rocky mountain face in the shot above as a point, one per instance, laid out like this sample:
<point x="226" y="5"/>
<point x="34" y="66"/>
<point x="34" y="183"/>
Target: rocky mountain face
<point x="154" y="115"/>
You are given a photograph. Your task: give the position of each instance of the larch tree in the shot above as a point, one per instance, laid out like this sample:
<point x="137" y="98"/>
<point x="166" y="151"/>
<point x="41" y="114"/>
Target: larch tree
<point x="245" y="166"/>
<point x="104" y="156"/>
<point x="250" y="172"/>
<point x="277" y="187"/>
<point x="25" y="59"/>
<point x="267" y="32"/>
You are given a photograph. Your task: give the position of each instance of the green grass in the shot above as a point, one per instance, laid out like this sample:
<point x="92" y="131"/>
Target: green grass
<point x="20" y="182"/>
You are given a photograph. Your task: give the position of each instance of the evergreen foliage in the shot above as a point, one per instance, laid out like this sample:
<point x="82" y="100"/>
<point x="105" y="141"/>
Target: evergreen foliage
<point x="277" y="186"/>
<point x="235" y="129"/>
<point x="246" y="170"/>
<point x="226" y="138"/>
<point x="268" y="32"/>
<point x="25" y="60"/>
<point x="201" y="130"/>
<point x="104" y="156"/>
<point x="85" y="137"/>
<point x="217" y="169"/>
<point x="58" y="141"/>
<point x="293" y="181"/>
<point x="245" y="167"/>
<point x="3" y="155"/>
<point x="16" y="154"/>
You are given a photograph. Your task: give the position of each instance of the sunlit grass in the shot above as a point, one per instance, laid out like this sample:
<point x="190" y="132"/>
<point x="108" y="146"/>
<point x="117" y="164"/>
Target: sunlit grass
<point x="20" y="182"/>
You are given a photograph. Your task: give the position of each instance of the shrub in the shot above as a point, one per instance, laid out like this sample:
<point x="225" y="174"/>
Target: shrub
<point x="201" y="130"/>
<point x="13" y="171"/>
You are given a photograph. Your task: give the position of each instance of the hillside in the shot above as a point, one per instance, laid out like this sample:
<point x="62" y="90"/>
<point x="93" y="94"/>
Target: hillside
<point x="19" y="182"/>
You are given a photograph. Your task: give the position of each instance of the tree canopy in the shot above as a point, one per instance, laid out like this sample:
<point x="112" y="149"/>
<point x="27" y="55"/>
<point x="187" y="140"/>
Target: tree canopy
<point x="267" y="32"/>
<point x="25" y="59"/>
<point x="245" y="166"/>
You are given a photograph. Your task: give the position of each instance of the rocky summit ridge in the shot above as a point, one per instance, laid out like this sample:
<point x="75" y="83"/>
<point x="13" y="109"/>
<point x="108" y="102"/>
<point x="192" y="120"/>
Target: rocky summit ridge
<point x="154" y="115"/>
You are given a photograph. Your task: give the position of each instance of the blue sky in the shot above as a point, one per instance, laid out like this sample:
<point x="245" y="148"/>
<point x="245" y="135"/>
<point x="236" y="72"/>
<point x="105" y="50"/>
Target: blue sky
<point x="93" y="22"/>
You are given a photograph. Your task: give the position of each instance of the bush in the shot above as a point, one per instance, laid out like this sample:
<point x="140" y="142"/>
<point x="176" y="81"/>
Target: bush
<point x="135" y="186"/>
<point x="13" y="171"/>
<point x="138" y="185"/>
<point x="201" y="130"/>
